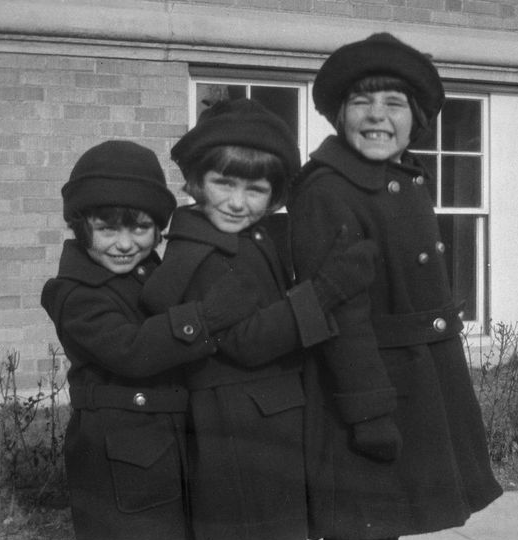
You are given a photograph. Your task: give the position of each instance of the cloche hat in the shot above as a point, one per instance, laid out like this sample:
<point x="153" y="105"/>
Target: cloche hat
<point x="119" y="173"/>
<point x="378" y="54"/>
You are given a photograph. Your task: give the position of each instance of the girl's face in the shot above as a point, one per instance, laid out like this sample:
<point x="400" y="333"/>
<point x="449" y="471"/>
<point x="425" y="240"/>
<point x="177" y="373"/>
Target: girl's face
<point x="378" y="124"/>
<point x="120" y="248"/>
<point x="233" y="204"/>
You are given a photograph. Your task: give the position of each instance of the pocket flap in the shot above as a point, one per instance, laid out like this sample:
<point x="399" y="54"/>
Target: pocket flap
<point x="141" y="445"/>
<point x="274" y="395"/>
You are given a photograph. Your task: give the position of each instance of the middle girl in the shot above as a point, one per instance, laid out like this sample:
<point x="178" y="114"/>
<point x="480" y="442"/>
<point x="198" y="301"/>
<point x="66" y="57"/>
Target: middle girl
<point x="246" y="464"/>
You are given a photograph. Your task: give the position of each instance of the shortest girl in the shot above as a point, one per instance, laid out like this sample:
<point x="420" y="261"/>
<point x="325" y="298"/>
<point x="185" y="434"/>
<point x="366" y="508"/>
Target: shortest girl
<point x="246" y="464"/>
<point x="124" y="444"/>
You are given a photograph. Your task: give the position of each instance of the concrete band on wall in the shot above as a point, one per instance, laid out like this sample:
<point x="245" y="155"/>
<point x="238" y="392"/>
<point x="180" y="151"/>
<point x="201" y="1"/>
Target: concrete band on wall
<point x="162" y="28"/>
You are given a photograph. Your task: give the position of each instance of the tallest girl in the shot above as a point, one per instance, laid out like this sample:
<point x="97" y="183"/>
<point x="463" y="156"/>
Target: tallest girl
<point x="395" y="444"/>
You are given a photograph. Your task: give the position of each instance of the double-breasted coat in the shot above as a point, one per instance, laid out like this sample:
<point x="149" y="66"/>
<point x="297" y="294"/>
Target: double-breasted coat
<point x="246" y="467"/>
<point x="407" y="329"/>
<point x="125" y="442"/>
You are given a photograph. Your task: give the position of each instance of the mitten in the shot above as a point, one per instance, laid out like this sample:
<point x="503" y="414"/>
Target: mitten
<point x="378" y="438"/>
<point x="230" y="300"/>
<point x="345" y="272"/>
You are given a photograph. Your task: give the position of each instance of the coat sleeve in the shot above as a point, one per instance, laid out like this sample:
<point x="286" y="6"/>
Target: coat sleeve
<point x="269" y="332"/>
<point x="352" y="365"/>
<point x="96" y="329"/>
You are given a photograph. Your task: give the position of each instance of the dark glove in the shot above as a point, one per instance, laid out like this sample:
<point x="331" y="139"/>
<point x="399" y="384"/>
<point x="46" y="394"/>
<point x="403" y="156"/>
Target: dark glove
<point x="345" y="272"/>
<point x="378" y="438"/>
<point x="230" y="300"/>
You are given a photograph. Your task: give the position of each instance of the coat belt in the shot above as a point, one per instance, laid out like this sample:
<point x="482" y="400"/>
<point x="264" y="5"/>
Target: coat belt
<point x="145" y="400"/>
<point x="406" y="329"/>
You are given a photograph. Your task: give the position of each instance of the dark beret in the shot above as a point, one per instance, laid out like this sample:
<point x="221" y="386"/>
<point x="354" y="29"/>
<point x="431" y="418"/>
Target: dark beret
<point x="378" y="54"/>
<point x="240" y="122"/>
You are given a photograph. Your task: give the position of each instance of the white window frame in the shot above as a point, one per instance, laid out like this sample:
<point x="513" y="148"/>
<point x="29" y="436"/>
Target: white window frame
<point x="302" y="87"/>
<point x="481" y="214"/>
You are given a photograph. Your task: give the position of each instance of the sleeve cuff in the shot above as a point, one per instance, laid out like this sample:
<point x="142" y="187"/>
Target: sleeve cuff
<point x="186" y="323"/>
<point x="311" y="321"/>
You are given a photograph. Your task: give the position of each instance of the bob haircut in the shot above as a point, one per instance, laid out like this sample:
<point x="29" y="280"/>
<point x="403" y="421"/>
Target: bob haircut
<point x="114" y="216"/>
<point x="380" y="83"/>
<point x="240" y="162"/>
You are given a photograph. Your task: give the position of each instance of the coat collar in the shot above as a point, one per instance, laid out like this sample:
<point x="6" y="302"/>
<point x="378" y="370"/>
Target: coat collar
<point x="366" y="174"/>
<point x="75" y="264"/>
<point x="189" y="224"/>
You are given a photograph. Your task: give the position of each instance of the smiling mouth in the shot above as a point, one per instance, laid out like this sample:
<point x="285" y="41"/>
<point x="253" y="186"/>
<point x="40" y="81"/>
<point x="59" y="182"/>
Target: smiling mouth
<point x="122" y="258"/>
<point x="377" y="136"/>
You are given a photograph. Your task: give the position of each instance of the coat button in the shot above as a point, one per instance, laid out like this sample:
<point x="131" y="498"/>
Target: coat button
<point x="258" y="236"/>
<point x="418" y="180"/>
<point x="423" y="258"/>
<point x="139" y="399"/>
<point x="440" y="247"/>
<point x="188" y="330"/>
<point x="439" y="325"/>
<point x="141" y="271"/>
<point x="394" y="187"/>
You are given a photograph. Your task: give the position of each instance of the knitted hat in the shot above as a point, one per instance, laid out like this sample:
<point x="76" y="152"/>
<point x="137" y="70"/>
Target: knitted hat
<point x="378" y="54"/>
<point x="240" y="122"/>
<point x="119" y="173"/>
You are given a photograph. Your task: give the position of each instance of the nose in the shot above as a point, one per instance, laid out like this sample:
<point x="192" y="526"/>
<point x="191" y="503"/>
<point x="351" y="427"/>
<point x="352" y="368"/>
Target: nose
<point x="377" y="110"/>
<point x="236" y="200"/>
<point x="124" y="240"/>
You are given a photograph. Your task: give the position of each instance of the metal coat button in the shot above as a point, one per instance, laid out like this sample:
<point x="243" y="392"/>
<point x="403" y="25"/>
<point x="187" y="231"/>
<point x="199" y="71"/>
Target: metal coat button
<point x="258" y="236"/>
<point x="418" y="180"/>
<point x="439" y="325"/>
<point x="423" y="258"/>
<point x="394" y="187"/>
<point x="188" y="330"/>
<point x="440" y="247"/>
<point x="141" y="271"/>
<point x="139" y="399"/>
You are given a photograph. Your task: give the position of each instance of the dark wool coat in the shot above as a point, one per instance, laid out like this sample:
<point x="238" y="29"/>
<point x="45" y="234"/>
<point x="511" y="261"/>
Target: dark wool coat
<point x="246" y="466"/>
<point x="125" y="443"/>
<point x="443" y="474"/>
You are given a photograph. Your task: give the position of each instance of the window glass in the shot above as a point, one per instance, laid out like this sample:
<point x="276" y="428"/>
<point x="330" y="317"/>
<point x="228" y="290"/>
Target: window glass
<point x="461" y="181"/>
<point x="207" y="94"/>
<point x="461" y="125"/>
<point x="459" y="235"/>
<point x="282" y="101"/>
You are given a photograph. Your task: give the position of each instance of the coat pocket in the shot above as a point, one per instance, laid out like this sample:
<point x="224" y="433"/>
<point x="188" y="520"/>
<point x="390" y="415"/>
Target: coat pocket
<point x="275" y="395"/>
<point x="145" y="466"/>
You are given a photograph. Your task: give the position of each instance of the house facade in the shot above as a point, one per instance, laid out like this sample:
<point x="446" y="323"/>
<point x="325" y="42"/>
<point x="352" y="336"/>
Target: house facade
<point x="74" y="73"/>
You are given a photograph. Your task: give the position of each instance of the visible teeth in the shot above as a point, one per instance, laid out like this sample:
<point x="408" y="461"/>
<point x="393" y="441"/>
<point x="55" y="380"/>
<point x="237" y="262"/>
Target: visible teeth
<point x="377" y="135"/>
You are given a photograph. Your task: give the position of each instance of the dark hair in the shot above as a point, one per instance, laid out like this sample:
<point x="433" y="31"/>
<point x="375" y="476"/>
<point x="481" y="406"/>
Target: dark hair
<point x="114" y="216"/>
<point x="241" y="162"/>
<point x="379" y="83"/>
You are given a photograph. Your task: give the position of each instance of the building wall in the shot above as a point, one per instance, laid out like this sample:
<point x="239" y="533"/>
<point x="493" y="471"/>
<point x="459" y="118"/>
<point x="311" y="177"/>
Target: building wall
<point x="75" y="73"/>
<point x="53" y="108"/>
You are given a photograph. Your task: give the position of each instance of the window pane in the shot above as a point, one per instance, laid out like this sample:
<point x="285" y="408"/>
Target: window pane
<point x="461" y="181"/>
<point x="461" y="125"/>
<point x="208" y="94"/>
<point x="459" y="235"/>
<point x="427" y="139"/>
<point x="282" y="101"/>
<point x="430" y="164"/>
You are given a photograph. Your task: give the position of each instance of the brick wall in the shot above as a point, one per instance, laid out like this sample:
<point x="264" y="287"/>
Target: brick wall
<point x="487" y="14"/>
<point x="52" y="109"/>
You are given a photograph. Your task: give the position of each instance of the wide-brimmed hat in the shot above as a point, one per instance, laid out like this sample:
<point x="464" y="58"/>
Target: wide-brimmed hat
<point x="379" y="54"/>
<point x="119" y="173"/>
<point x="241" y="122"/>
